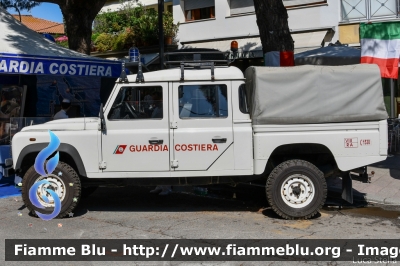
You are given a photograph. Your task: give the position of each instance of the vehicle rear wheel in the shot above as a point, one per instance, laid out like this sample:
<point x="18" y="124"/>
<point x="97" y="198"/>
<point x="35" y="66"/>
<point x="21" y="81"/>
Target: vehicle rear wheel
<point x="296" y="189"/>
<point x="64" y="181"/>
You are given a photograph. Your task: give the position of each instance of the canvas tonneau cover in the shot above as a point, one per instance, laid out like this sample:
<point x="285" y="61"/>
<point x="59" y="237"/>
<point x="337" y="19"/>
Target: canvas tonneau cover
<point x="315" y="94"/>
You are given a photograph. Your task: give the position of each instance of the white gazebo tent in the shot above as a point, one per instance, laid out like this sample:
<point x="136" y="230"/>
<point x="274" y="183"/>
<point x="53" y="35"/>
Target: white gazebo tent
<point x="48" y="73"/>
<point x="23" y="51"/>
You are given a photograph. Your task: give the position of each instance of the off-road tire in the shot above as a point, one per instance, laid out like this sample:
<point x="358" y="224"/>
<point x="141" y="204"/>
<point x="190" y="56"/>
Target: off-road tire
<point x="275" y="193"/>
<point x="72" y="193"/>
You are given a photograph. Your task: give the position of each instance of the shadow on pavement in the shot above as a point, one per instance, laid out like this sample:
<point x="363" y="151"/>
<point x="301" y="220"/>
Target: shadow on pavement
<point x="335" y="194"/>
<point x="220" y="198"/>
<point x="131" y="199"/>
<point x="392" y="163"/>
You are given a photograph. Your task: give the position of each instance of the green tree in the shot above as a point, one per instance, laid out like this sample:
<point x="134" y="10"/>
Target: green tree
<point x="78" y="16"/>
<point x="18" y="5"/>
<point x="272" y="21"/>
<point x="132" y="24"/>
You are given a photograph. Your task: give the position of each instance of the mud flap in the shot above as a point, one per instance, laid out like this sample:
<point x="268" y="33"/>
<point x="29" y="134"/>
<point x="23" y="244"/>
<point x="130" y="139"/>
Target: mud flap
<point x="347" y="187"/>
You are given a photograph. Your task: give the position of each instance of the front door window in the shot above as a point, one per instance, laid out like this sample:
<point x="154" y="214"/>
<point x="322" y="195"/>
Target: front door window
<point x="138" y="103"/>
<point x="137" y="135"/>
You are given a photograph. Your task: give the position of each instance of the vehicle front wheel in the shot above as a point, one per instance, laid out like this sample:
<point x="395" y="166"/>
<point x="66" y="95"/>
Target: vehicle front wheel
<point x="64" y="181"/>
<point x="296" y="189"/>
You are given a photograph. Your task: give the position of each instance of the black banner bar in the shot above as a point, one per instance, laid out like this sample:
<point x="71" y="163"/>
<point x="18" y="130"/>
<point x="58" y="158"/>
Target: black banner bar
<point x="360" y="251"/>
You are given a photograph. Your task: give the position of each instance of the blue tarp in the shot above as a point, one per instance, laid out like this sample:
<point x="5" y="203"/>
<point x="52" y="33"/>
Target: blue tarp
<point x="7" y="186"/>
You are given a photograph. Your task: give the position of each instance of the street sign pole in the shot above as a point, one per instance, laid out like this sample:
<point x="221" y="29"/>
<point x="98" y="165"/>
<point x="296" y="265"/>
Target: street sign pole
<point x="392" y="102"/>
<point x="161" y="32"/>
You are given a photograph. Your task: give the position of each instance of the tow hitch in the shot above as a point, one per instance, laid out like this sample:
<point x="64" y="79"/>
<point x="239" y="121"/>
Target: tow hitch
<point x="363" y="175"/>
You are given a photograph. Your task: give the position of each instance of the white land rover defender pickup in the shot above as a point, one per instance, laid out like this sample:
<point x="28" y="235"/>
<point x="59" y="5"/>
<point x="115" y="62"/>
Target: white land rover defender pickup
<point x="291" y="127"/>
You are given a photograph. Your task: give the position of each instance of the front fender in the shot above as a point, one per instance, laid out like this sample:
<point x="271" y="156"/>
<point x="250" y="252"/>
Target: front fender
<point x="65" y="148"/>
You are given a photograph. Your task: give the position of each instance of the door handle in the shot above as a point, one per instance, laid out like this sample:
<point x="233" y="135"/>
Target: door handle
<point x="223" y="140"/>
<point x="156" y="141"/>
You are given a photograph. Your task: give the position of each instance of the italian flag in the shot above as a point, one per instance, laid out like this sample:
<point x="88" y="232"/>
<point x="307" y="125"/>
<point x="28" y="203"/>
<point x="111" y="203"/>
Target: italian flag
<point x="380" y="44"/>
<point x="279" y="59"/>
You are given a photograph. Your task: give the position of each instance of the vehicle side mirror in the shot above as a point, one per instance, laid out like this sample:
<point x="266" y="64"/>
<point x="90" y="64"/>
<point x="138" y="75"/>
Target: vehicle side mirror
<point x="102" y="120"/>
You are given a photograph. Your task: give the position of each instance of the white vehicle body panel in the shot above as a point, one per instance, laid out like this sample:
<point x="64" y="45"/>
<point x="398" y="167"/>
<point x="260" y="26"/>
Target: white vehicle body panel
<point x="245" y="152"/>
<point x="135" y="135"/>
<point x="82" y="137"/>
<point x="242" y="133"/>
<point x="199" y="133"/>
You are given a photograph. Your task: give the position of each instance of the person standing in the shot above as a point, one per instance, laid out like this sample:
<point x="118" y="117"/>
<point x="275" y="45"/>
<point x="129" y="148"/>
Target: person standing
<point x="65" y="105"/>
<point x="148" y="104"/>
<point x="158" y="106"/>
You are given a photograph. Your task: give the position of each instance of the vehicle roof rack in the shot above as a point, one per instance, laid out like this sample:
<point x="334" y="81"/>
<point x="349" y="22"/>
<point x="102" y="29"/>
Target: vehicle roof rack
<point x="123" y="78"/>
<point x="174" y="59"/>
<point x="197" y="65"/>
<point x="196" y="58"/>
<point x="139" y="75"/>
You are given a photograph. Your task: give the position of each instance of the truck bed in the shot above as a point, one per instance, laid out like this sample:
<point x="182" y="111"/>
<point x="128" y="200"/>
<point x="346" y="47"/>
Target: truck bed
<point x="353" y="145"/>
<point x="315" y="94"/>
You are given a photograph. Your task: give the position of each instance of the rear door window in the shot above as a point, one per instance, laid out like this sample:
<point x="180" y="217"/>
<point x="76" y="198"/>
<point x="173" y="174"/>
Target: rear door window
<point x="203" y="101"/>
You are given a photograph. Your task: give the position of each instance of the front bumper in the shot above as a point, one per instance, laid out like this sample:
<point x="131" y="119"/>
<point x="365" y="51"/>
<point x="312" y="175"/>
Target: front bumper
<point x="8" y="170"/>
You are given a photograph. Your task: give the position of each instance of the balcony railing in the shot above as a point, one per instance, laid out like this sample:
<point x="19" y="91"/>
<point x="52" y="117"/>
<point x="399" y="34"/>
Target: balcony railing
<point x="361" y="10"/>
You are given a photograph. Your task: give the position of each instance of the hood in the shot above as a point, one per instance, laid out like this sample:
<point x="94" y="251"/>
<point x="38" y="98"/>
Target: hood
<point x="89" y="123"/>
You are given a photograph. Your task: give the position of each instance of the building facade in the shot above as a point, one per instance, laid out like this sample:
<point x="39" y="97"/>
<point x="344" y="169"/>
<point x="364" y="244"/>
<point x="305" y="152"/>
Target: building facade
<point x="115" y="5"/>
<point x="313" y="23"/>
<point x="354" y="12"/>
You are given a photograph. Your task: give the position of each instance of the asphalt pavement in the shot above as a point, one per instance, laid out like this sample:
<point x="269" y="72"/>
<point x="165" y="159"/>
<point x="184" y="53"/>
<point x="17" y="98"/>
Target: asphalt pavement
<point x="224" y="213"/>
<point x="383" y="189"/>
